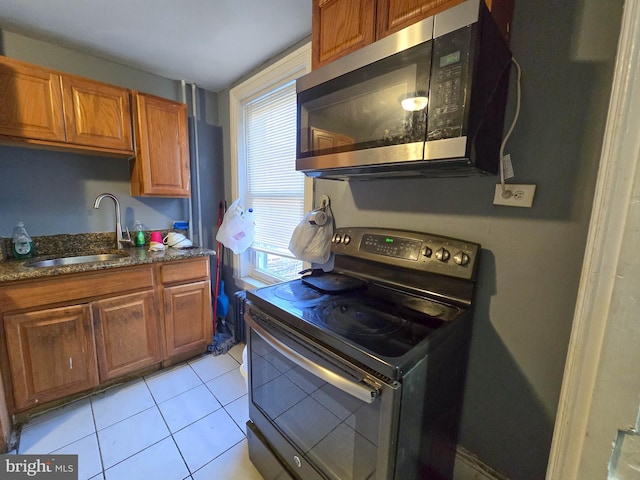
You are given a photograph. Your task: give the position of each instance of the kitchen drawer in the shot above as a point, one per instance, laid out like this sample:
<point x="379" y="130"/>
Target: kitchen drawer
<point x="74" y="287"/>
<point x="185" y="271"/>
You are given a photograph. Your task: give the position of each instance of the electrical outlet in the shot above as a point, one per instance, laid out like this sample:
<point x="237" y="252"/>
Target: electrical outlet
<point x="516" y="195"/>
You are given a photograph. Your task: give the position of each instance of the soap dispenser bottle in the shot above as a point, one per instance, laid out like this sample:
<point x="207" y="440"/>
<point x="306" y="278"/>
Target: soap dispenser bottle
<point x="21" y="242"/>
<point x="139" y="238"/>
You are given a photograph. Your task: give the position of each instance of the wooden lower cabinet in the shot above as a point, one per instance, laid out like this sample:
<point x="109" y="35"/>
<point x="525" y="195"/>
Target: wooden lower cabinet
<point x="51" y="354"/>
<point x="128" y="334"/>
<point x="183" y="304"/>
<point x="75" y="332"/>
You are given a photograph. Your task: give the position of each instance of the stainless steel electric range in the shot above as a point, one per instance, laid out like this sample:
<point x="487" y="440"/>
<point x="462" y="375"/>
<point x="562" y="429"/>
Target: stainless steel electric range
<point x="358" y="373"/>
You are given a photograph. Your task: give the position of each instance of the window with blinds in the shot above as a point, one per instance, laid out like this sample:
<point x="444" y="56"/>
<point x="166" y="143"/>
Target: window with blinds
<point x="262" y="114"/>
<point x="275" y="190"/>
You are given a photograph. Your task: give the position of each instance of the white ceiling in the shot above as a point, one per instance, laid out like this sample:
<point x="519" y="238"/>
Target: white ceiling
<point x="207" y="42"/>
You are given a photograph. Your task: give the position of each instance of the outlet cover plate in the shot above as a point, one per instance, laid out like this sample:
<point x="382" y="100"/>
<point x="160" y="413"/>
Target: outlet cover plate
<point x="520" y="195"/>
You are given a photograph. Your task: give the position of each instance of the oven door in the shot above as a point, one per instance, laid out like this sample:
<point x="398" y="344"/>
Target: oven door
<point x="324" y="417"/>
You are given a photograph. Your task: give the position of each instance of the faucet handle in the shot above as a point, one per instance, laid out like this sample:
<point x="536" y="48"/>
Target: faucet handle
<point x="128" y="234"/>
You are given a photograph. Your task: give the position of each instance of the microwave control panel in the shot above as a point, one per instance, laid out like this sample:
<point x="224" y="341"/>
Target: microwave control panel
<point x="449" y="78"/>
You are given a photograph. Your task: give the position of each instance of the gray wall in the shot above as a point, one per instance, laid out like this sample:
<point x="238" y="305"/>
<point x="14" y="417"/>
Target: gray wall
<point x="53" y="192"/>
<point x="531" y="258"/>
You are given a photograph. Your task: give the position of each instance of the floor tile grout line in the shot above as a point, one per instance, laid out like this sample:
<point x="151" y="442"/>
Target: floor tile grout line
<point x="95" y="426"/>
<point x="222" y="406"/>
<point x="134" y="454"/>
<point x="218" y="456"/>
<point x="217" y="376"/>
<point x="234" y="420"/>
<point x="58" y="448"/>
<point x="181" y="455"/>
<point x="169" y="398"/>
<point x="104" y="469"/>
<point x="17" y="448"/>
<point x="126" y="418"/>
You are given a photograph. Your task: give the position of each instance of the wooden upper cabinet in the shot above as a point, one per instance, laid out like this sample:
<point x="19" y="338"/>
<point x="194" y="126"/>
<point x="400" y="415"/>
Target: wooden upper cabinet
<point x="339" y="27"/>
<point x="51" y="354"/>
<point x="394" y="15"/>
<point x="162" y="164"/>
<point x="49" y="109"/>
<point x="97" y="114"/>
<point x="31" y="101"/>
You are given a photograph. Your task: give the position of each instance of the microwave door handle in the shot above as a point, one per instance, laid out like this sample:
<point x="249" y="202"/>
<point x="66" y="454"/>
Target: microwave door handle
<point x="360" y="391"/>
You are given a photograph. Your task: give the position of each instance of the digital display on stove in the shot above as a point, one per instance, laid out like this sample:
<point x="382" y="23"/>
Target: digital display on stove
<point x="391" y="246"/>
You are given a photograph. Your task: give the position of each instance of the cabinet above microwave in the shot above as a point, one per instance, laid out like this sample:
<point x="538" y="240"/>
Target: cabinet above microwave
<point x="428" y="100"/>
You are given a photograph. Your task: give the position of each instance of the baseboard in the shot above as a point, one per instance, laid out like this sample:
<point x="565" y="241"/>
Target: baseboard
<point x="470" y="467"/>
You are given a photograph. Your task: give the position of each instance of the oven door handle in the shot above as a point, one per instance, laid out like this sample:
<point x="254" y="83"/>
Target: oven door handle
<point x="361" y="391"/>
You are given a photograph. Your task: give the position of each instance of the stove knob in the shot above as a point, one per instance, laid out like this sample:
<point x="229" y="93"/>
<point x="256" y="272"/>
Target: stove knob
<point x="346" y="239"/>
<point x="443" y="255"/>
<point x="461" y="258"/>
<point x="426" y="252"/>
<point x="337" y="238"/>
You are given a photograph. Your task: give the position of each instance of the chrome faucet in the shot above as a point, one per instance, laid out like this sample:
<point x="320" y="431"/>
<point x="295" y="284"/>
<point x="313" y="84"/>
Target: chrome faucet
<point x="119" y="238"/>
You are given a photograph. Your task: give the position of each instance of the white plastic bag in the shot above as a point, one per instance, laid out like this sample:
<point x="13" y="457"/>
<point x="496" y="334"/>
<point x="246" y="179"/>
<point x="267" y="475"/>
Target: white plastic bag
<point x="237" y="231"/>
<point x="310" y="241"/>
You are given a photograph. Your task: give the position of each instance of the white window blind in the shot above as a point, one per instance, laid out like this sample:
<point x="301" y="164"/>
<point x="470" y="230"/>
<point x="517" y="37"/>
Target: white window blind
<point x="262" y="112"/>
<point x="275" y="190"/>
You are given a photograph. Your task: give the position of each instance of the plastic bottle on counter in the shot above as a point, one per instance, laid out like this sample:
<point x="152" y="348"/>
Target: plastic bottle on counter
<point x="139" y="238"/>
<point x="21" y="242"/>
<point x="181" y="227"/>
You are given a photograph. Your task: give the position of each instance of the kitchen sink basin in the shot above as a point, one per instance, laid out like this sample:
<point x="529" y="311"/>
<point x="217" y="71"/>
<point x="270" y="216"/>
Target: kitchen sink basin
<point x="62" y="261"/>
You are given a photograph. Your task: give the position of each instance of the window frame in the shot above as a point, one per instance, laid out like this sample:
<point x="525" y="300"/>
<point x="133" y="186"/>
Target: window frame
<point x="286" y="69"/>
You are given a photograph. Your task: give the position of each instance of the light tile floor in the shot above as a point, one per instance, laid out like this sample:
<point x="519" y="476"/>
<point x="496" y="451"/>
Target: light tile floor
<point x="187" y="422"/>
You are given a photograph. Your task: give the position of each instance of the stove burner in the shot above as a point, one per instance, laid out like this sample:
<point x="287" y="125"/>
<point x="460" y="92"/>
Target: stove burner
<point x="353" y="319"/>
<point x="294" y="291"/>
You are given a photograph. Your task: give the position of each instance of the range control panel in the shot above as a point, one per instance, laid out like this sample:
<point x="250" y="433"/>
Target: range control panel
<point x="418" y="251"/>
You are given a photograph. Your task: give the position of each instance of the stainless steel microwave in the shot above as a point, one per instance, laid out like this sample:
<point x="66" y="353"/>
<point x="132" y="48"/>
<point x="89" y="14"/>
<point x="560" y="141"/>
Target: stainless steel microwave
<point x="428" y="100"/>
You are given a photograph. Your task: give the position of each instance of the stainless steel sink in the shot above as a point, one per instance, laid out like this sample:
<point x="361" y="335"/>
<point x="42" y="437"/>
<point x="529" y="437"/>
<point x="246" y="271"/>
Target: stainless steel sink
<point x="62" y="261"/>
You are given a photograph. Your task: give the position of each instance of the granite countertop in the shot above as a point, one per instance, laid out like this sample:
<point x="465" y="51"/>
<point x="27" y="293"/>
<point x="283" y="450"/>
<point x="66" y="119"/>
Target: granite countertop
<point x="57" y="246"/>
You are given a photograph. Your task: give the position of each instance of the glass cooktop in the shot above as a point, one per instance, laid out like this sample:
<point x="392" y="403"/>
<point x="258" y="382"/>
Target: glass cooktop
<point x="381" y="321"/>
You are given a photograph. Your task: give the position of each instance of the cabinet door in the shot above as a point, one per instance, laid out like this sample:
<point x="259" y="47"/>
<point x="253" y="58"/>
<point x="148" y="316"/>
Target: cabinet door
<point x="31" y="101"/>
<point x="187" y="317"/>
<point x="51" y="354"/>
<point x="394" y="15"/>
<point x="162" y="166"/>
<point x="127" y="331"/>
<point x="339" y="27"/>
<point x="97" y="114"/>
